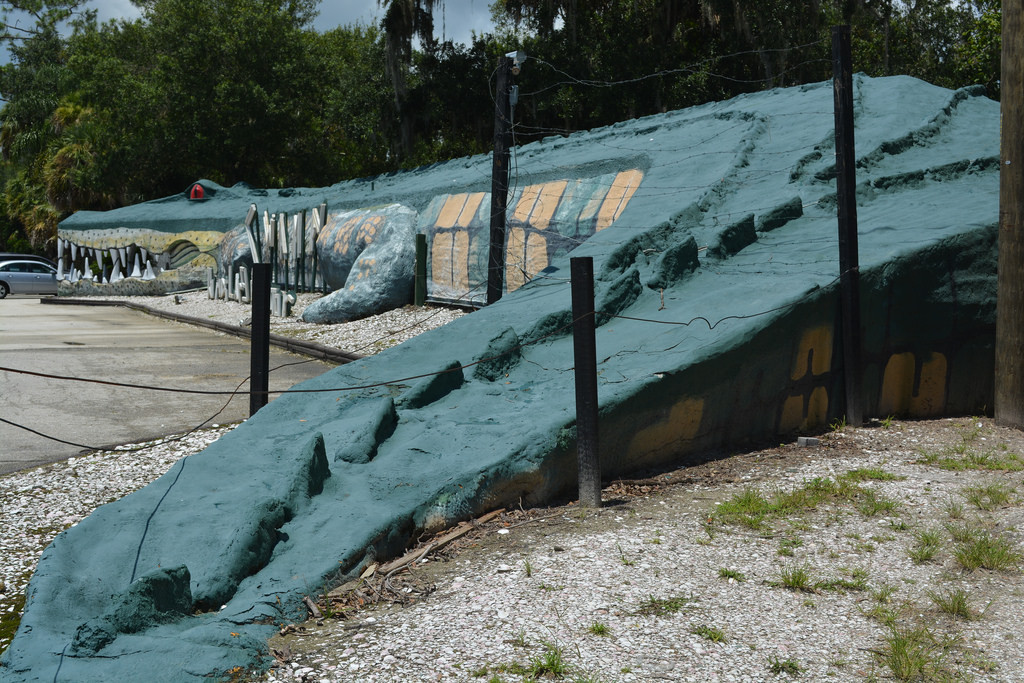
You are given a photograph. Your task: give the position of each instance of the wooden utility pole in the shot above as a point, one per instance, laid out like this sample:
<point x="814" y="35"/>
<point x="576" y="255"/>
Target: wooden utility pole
<point x="846" y="196"/>
<point x="499" y="180"/>
<point x="584" y="345"/>
<point x="1009" y="380"/>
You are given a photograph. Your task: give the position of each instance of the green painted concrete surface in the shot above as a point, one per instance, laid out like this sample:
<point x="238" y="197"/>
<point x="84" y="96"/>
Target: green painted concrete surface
<point x="732" y="231"/>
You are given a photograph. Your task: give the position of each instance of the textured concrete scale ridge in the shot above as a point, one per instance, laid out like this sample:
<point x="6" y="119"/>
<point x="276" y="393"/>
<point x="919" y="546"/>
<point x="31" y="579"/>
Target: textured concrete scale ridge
<point x="713" y="232"/>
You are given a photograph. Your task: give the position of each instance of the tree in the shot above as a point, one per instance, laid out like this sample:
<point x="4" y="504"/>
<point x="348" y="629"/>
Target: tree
<point x="24" y="19"/>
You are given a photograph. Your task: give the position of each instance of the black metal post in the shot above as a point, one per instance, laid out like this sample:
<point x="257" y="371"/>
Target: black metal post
<point x="420" y="293"/>
<point x="499" y="181"/>
<point x="259" y="354"/>
<point x="585" y="361"/>
<point x="846" y="194"/>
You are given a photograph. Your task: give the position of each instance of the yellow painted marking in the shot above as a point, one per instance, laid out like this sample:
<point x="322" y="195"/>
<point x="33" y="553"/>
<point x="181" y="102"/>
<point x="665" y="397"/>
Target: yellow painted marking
<point x="547" y="202"/>
<point x="470" y="209"/>
<point x="536" y="254"/>
<point x="368" y="230"/>
<point x="441" y="258"/>
<point x="618" y="196"/>
<point x="515" y="258"/>
<point x="681" y="424"/>
<point x="526" y="202"/>
<point x="816" y="343"/>
<point x="792" y="414"/>
<point x="931" y="392"/>
<point x="339" y="238"/>
<point x="460" y="266"/>
<point x="450" y="211"/>
<point x="897" y="384"/>
<point x="817" y="408"/>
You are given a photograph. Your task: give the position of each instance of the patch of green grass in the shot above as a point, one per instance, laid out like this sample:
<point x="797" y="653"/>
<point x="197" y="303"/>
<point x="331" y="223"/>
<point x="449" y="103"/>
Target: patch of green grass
<point x="871" y="504"/>
<point x="715" y="635"/>
<point x="797" y="578"/>
<point x="954" y="509"/>
<point x="989" y="497"/>
<point x="988" y="551"/>
<point x="549" y="587"/>
<point x="653" y="606"/>
<point x="887" y="421"/>
<point x="858" y="581"/>
<point x="752" y="508"/>
<point x="962" y="457"/>
<point x="725" y="573"/>
<point x="871" y="474"/>
<point x="883" y="594"/>
<point x="551" y="663"/>
<point x="599" y="629"/>
<point x="622" y="557"/>
<point x="927" y="543"/>
<point x="913" y="654"/>
<point x="520" y="639"/>
<point x="955" y="603"/>
<point x="784" y="666"/>
<point x="786" y="546"/>
<point x="10" y="617"/>
<point x="963" y="532"/>
<point x="528" y="568"/>
<point x="887" y="615"/>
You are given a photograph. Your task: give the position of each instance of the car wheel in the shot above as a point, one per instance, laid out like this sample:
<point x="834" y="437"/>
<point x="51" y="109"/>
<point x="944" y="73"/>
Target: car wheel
<point x="4" y="290"/>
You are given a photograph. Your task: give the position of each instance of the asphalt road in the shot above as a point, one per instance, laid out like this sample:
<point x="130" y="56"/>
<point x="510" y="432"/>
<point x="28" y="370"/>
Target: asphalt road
<point x="120" y="345"/>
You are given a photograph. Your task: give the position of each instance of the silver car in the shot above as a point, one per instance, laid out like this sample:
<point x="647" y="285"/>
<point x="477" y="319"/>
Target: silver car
<point x="27" y="277"/>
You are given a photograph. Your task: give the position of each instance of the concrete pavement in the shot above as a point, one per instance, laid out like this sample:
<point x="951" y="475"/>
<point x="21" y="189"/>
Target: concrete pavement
<point x="119" y="345"/>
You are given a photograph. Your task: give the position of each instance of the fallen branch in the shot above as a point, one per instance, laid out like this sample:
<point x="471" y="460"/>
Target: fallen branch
<point x="314" y="611"/>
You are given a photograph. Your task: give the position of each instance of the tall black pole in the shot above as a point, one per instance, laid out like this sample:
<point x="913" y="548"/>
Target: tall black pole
<point x="1009" y="384"/>
<point x="499" y="180"/>
<point x="584" y="349"/>
<point x="846" y="195"/>
<point x="420" y="280"/>
<point x="259" y="353"/>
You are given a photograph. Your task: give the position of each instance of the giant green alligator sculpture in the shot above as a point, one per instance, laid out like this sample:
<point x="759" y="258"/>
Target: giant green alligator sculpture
<point x="717" y="309"/>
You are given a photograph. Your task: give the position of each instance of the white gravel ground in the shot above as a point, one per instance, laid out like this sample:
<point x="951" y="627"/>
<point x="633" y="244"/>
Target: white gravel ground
<point x="574" y="589"/>
<point x="367" y="336"/>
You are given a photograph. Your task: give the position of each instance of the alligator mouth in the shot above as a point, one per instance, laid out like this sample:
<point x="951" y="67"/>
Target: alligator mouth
<point x="94" y="261"/>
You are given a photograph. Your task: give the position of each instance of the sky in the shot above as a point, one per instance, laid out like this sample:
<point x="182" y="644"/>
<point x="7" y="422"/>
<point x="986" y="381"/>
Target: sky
<point x="453" y="19"/>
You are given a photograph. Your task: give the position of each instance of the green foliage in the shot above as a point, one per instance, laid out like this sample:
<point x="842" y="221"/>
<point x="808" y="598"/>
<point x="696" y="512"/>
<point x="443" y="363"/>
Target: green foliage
<point x="927" y="543"/>
<point x="784" y="666"/>
<point x="955" y="603"/>
<point x="712" y="633"/>
<point x="733" y="574"/>
<point x="98" y="116"/>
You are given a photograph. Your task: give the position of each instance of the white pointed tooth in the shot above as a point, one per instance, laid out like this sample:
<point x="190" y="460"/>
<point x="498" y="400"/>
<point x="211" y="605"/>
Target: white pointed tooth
<point x="145" y="254"/>
<point x="60" y="267"/>
<point x="137" y="269"/>
<point x="60" y="249"/>
<point x="149" y="275"/>
<point x="74" y="251"/>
